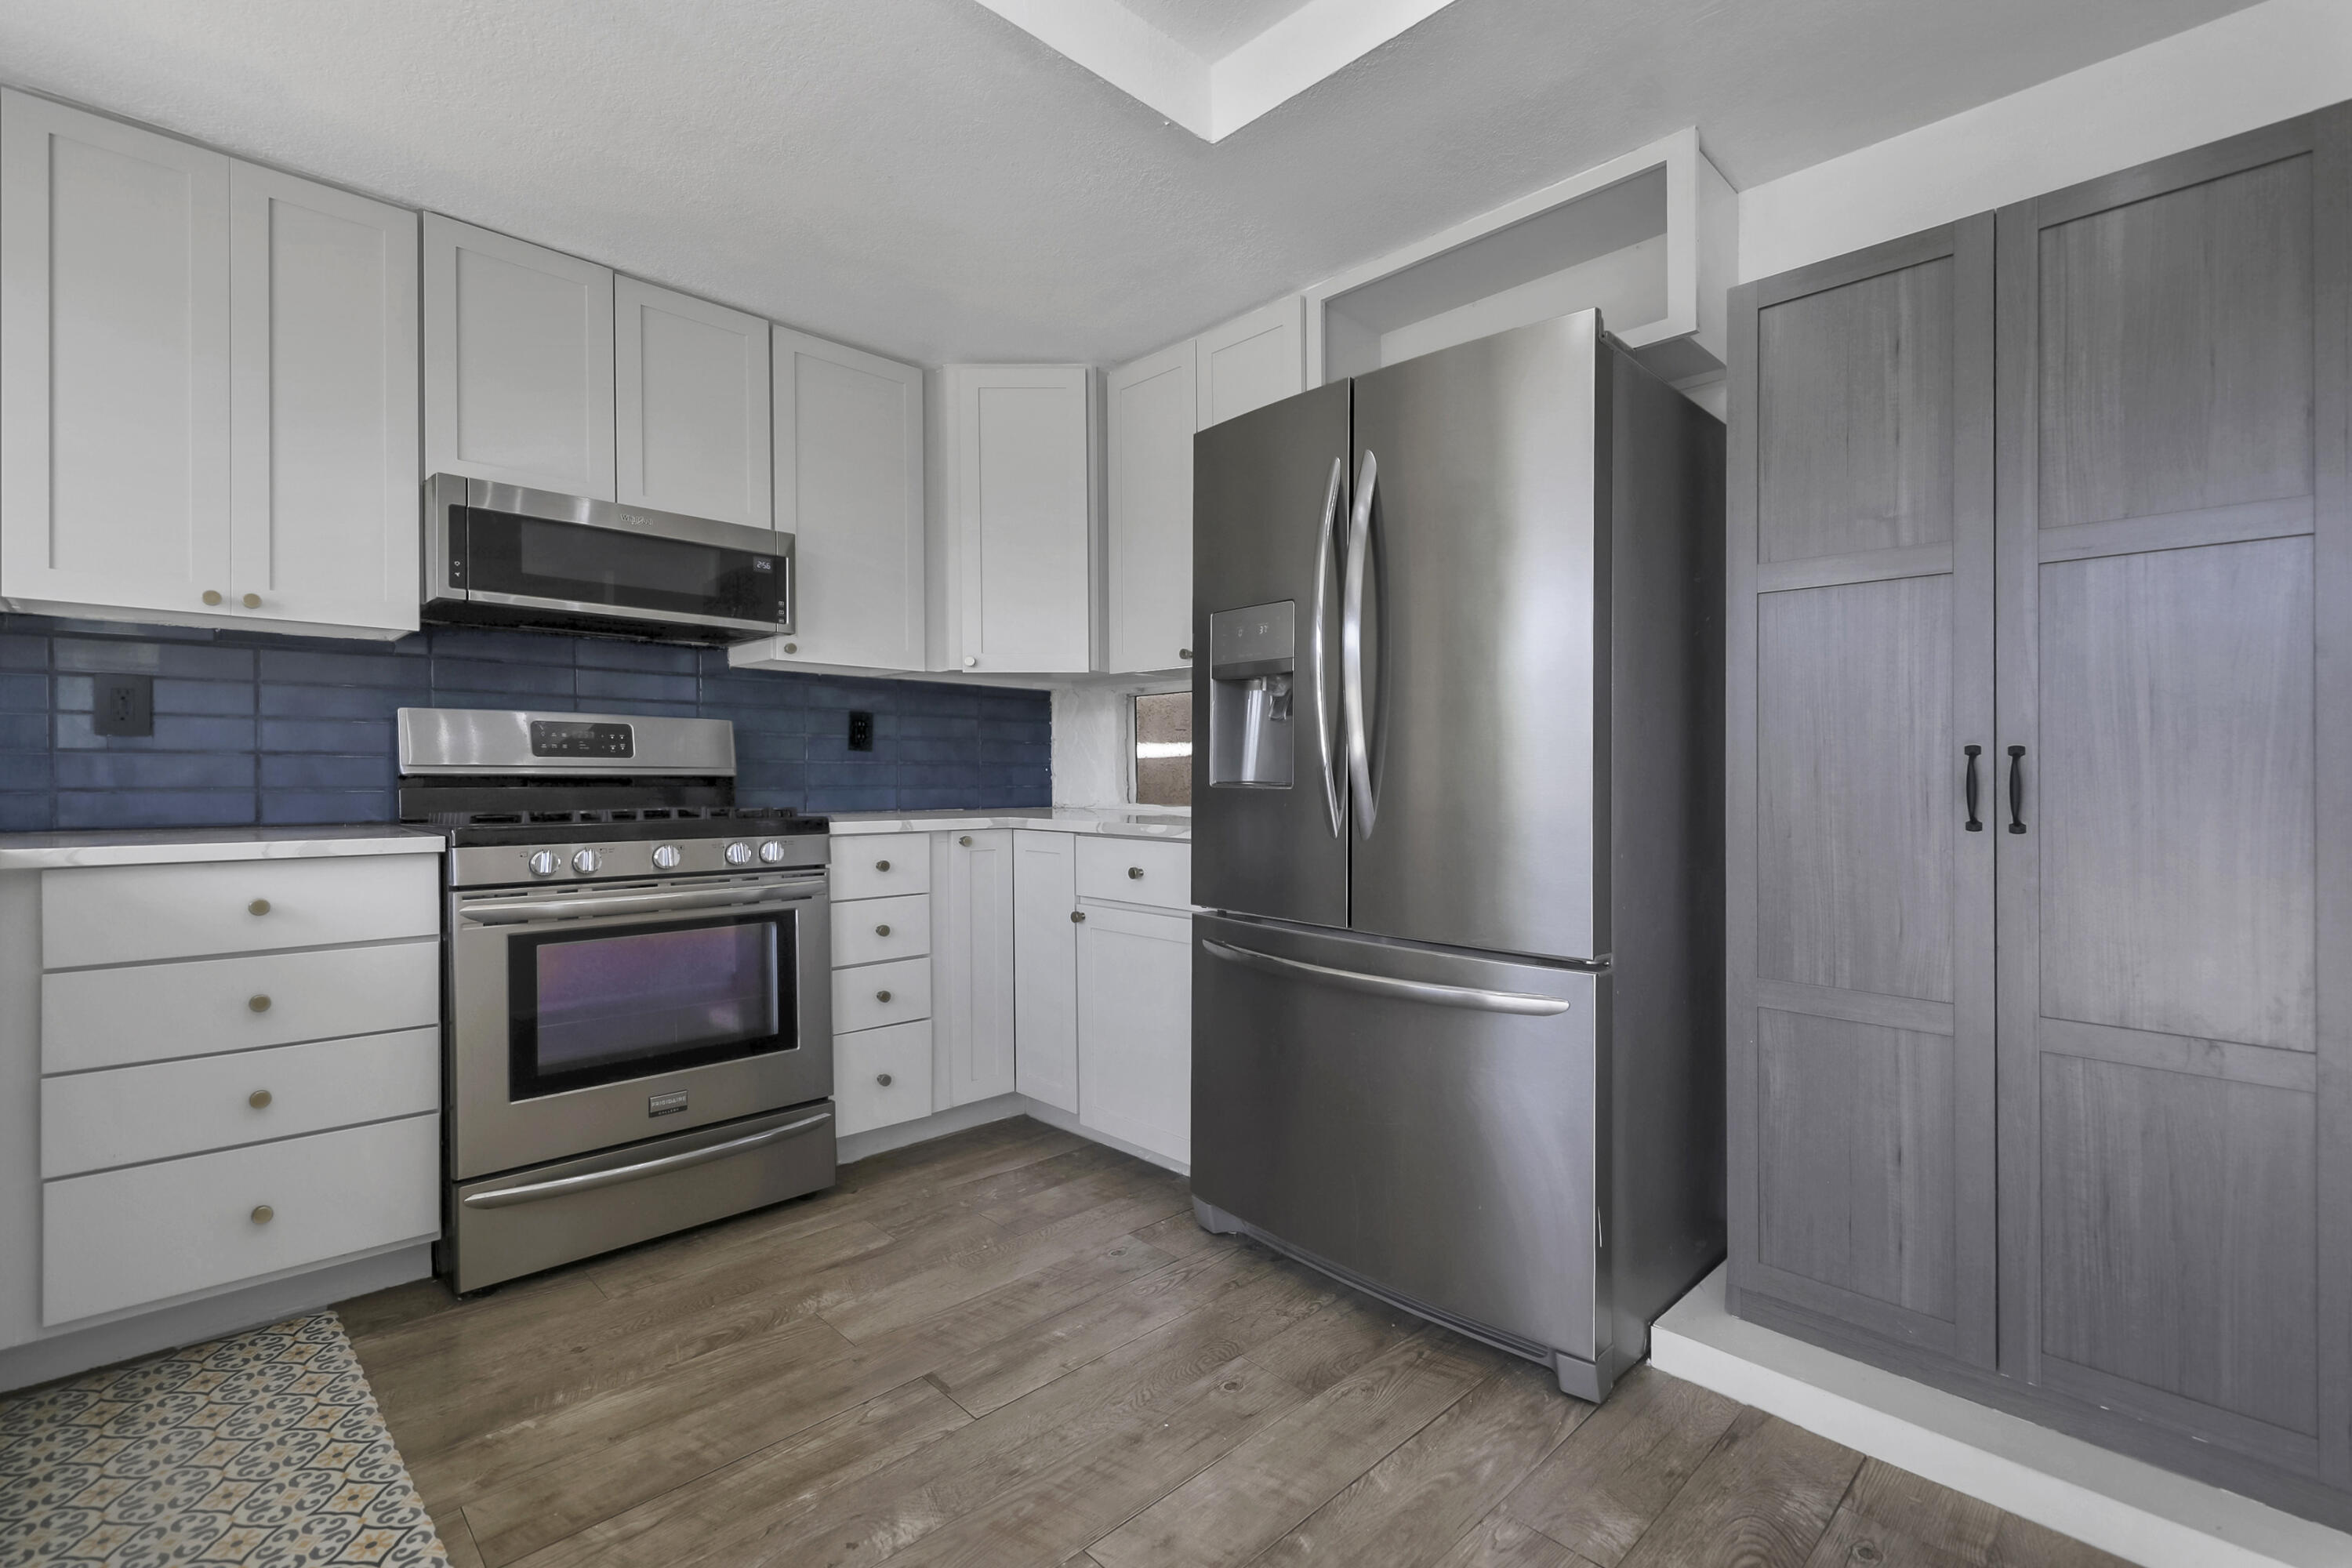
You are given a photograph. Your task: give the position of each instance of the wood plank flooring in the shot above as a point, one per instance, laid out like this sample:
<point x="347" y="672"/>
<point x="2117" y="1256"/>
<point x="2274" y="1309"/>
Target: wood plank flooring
<point x="1013" y="1347"/>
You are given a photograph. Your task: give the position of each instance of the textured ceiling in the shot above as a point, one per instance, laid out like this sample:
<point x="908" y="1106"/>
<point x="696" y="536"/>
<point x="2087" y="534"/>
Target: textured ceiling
<point x="1212" y="27"/>
<point x="922" y="178"/>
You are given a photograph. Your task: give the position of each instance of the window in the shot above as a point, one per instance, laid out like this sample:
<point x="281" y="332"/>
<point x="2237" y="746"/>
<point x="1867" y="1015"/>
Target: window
<point x="1163" y="748"/>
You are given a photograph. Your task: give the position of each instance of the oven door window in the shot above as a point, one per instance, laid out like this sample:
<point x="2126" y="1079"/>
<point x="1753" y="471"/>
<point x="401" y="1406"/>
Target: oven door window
<point x="534" y="558"/>
<point x="598" y="1006"/>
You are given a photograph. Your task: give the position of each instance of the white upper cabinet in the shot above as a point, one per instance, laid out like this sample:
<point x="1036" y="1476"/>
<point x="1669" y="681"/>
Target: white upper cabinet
<point x="1248" y="362"/>
<point x="849" y="488"/>
<point x="114" y="377"/>
<point x="207" y="385"/>
<point x="1017" y="595"/>
<point x="323" y="404"/>
<point x="519" y="374"/>
<point x="1153" y="407"/>
<point x="690" y="406"/>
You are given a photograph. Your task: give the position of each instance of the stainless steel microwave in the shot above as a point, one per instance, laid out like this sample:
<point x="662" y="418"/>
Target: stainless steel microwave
<point x="501" y="556"/>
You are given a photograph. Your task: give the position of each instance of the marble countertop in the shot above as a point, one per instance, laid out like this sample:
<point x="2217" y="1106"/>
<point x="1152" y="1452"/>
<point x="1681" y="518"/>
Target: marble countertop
<point x="1061" y="820"/>
<point x="164" y="845"/>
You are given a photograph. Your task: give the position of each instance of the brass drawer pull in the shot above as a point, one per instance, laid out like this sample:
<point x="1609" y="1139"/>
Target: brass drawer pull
<point x="263" y="1214"/>
<point x="1135" y="873"/>
<point x="259" y="1004"/>
<point x="881" y="865"/>
<point x="881" y="930"/>
<point x="259" y="1099"/>
<point x="258" y="907"/>
<point x="883" y="1078"/>
<point x="881" y="995"/>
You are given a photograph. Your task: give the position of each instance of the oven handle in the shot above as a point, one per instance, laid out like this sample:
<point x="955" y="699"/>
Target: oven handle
<point x="531" y="1193"/>
<point x="497" y="913"/>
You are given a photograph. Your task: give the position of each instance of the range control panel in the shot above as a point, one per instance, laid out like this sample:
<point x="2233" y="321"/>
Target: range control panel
<point x="555" y="738"/>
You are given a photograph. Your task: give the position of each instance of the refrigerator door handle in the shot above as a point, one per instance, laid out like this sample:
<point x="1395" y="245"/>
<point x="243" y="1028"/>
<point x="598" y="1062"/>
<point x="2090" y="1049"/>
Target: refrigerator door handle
<point x="1328" y="538"/>
<point x="1434" y="995"/>
<point x="1351" y="648"/>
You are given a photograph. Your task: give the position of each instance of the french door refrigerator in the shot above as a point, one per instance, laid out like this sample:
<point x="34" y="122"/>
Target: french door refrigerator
<point x="1455" y="1024"/>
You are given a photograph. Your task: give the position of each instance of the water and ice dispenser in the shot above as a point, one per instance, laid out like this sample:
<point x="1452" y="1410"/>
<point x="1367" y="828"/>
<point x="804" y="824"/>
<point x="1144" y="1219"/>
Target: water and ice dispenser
<point x="1253" y="665"/>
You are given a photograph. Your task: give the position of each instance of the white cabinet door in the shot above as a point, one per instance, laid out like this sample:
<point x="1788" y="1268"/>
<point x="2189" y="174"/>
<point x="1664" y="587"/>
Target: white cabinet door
<point x="1249" y="363"/>
<point x="971" y="950"/>
<point x="849" y="488"/>
<point x="323" y="476"/>
<point x="1020" y="593"/>
<point x="517" y="362"/>
<point x="1151" y="411"/>
<point x="690" y="406"/>
<point x="1045" y="966"/>
<point x="114" y="353"/>
<point x="1135" y="1028"/>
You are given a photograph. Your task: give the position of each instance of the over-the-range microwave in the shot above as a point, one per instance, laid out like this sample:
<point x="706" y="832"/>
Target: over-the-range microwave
<point x="501" y="556"/>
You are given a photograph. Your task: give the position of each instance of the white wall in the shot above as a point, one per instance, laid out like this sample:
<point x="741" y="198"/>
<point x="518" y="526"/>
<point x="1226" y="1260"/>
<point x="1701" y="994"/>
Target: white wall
<point x="2250" y="69"/>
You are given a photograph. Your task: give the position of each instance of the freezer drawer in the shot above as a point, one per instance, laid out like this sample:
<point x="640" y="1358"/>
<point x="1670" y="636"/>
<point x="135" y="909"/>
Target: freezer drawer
<point x="1421" y="1119"/>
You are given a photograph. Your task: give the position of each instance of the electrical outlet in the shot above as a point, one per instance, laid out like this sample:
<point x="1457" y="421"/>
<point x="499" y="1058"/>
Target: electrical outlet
<point x="122" y="704"/>
<point x="861" y="731"/>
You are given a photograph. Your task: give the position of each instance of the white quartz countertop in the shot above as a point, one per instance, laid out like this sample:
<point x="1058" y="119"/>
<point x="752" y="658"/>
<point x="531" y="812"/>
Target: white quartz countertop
<point x="164" y="845"/>
<point x="1062" y="819"/>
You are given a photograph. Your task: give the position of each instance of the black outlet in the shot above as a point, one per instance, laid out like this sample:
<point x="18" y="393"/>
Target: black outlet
<point x="861" y="731"/>
<point x="122" y="704"/>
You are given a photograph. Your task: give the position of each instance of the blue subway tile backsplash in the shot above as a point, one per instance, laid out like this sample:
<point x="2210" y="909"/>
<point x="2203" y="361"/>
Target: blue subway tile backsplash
<point x="251" y="728"/>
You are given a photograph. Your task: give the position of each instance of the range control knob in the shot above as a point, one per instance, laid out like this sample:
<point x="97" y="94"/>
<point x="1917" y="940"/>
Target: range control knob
<point x="772" y="851"/>
<point x="584" y="861"/>
<point x="666" y="857"/>
<point x="739" y="853"/>
<point x="542" y="863"/>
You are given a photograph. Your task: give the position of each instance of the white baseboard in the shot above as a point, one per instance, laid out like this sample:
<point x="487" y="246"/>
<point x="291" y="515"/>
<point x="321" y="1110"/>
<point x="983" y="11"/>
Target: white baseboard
<point x="1055" y="1116"/>
<point x="923" y="1129"/>
<point x="2125" y="1506"/>
<point x="209" y="1317"/>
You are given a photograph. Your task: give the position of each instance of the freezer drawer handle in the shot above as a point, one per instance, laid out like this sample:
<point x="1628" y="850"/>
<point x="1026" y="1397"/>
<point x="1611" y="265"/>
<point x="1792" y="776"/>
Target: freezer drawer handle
<point x="619" y="1174"/>
<point x="1325" y="545"/>
<point x="1436" y="996"/>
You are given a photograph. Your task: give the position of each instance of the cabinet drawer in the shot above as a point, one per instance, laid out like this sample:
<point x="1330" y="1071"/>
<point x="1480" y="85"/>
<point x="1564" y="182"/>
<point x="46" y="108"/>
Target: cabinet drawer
<point x="901" y="1053"/>
<point x="872" y="931"/>
<point x="1136" y="871"/>
<point x="112" y="1017"/>
<point x="857" y="995"/>
<point x="122" y="1238"/>
<point x="881" y="865"/>
<point x="124" y="1116"/>
<point x="131" y="914"/>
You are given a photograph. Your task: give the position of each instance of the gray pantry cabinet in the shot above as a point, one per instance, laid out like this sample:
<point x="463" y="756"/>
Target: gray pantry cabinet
<point x="2040" y="809"/>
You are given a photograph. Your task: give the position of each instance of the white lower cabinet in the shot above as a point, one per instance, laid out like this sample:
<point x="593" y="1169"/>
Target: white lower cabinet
<point x="883" y="1055"/>
<point x="1135" y="1027"/>
<point x="1045" y="967"/>
<point x="881" y="1076"/>
<point x="971" y="925"/>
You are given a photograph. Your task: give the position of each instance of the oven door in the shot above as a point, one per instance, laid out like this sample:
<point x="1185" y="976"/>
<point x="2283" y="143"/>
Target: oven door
<point x="585" y="1018"/>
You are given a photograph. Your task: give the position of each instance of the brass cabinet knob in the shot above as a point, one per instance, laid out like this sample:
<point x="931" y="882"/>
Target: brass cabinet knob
<point x="883" y="1078"/>
<point x="1078" y="917"/>
<point x="881" y="995"/>
<point x="1183" y="653"/>
<point x="258" y="907"/>
<point x="212" y="597"/>
<point x="263" y="1214"/>
<point x="251" y="601"/>
<point x="965" y="840"/>
<point x="259" y="1004"/>
<point x="791" y="647"/>
<point x="259" y="1100"/>
<point x="881" y="865"/>
<point x="881" y="930"/>
<point x="1135" y="873"/>
<point x="970" y="662"/>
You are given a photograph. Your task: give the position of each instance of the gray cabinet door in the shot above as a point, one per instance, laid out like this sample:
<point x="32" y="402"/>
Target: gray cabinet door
<point x="2175" y="646"/>
<point x="1859" y="918"/>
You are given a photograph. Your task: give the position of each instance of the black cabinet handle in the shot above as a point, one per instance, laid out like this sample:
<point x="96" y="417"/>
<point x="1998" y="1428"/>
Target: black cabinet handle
<point x="1973" y="753"/>
<point x="2017" y="789"/>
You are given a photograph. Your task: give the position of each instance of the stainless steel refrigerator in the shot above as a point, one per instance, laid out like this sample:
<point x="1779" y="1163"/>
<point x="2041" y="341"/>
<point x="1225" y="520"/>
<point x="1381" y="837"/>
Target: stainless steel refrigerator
<point x="1456" y="826"/>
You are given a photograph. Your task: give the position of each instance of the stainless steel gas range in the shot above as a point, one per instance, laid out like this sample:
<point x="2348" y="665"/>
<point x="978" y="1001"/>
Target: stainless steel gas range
<point x="637" y="996"/>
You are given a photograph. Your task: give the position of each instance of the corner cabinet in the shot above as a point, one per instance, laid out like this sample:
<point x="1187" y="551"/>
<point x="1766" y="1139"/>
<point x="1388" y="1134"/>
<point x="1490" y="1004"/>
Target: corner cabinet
<point x="2040" y="920"/>
<point x="1014" y="591"/>
<point x="209" y="385"/>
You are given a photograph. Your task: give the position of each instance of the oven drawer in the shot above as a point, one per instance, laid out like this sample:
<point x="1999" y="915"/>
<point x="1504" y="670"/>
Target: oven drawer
<point x="876" y="994"/>
<point x="901" y="1054"/>
<point x="1108" y="867"/>
<point x="873" y="931"/>
<point x="881" y="865"/>
<point x="134" y="914"/>
<point x="123" y="1238"/>
<point x="124" y="1116"/>
<point x="112" y="1017"/>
